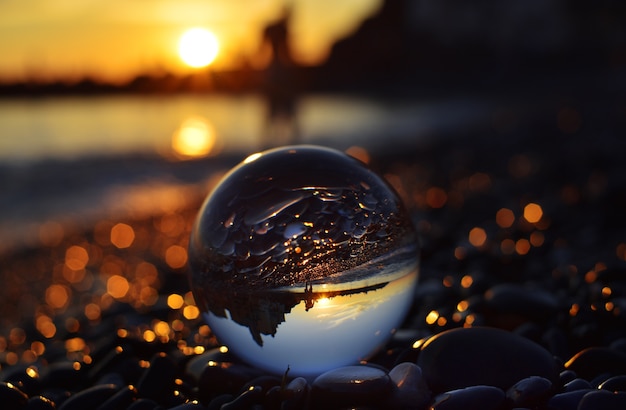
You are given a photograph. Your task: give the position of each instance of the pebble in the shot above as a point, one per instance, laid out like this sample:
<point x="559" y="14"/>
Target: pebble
<point x="595" y="361"/>
<point x="470" y="398"/>
<point x="224" y="378"/>
<point x="245" y="400"/>
<point x="530" y="303"/>
<point x="351" y="386"/>
<point x="11" y="397"/>
<point x="465" y="357"/>
<point x="577" y="384"/>
<point x="295" y="394"/>
<point x="39" y="403"/>
<point x="411" y="391"/>
<point x="614" y="384"/>
<point x="530" y="392"/>
<point x="157" y="381"/>
<point x="603" y="400"/>
<point x="567" y="401"/>
<point x="120" y="400"/>
<point x="89" y="398"/>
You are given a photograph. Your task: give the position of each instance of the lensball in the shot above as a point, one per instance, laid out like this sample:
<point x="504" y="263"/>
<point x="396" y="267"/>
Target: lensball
<point x="303" y="258"/>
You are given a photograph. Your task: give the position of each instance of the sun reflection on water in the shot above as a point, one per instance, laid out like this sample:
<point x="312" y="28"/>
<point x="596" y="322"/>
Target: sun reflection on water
<point x="195" y="137"/>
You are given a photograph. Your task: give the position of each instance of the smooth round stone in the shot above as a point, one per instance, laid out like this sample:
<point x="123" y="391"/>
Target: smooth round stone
<point x="534" y="303"/>
<point x="567" y="401"/>
<point x="351" y="386"/>
<point x="157" y="381"/>
<point x="196" y="366"/>
<point x="603" y="400"/>
<point x="411" y="390"/>
<point x="245" y="400"/>
<point x="465" y="357"/>
<point x="594" y="361"/>
<point x="577" y="384"/>
<point x="39" y="403"/>
<point x="295" y="394"/>
<point x="529" y="392"/>
<point x="470" y="398"/>
<point x="90" y="398"/>
<point x="120" y="400"/>
<point x="224" y="378"/>
<point x="614" y="384"/>
<point x="11" y="396"/>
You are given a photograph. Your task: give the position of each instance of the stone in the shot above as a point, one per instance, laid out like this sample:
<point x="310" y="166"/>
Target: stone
<point x="530" y="392"/>
<point x="410" y="390"/>
<point x="470" y="398"/>
<point x="602" y="399"/>
<point x="614" y="384"/>
<point x="351" y="386"/>
<point x="465" y="357"/>
<point x="90" y="397"/>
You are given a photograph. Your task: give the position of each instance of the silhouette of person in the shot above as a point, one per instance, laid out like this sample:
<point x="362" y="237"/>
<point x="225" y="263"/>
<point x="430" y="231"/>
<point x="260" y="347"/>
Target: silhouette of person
<point x="280" y="84"/>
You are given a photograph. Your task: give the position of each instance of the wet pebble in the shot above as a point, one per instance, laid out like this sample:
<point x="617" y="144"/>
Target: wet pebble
<point x="410" y="389"/>
<point x="11" y="397"/>
<point x="157" y="381"/>
<point x="577" y="384"/>
<point x="39" y="403"/>
<point x="530" y="303"/>
<point x="614" y="384"/>
<point x="295" y="394"/>
<point x="529" y="392"/>
<point x="245" y="400"/>
<point x="568" y="400"/>
<point x="470" y="398"/>
<point x="351" y="386"/>
<point x="224" y="378"/>
<point x="120" y="400"/>
<point x="89" y="398"/>
<point x="595" y="361"/>
<point x="604" y="400"/>
<point x="465" y="357"/>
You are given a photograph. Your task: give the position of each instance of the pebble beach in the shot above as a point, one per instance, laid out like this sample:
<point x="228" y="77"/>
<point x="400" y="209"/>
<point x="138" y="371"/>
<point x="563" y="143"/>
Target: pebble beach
<point x="520" y="302"/>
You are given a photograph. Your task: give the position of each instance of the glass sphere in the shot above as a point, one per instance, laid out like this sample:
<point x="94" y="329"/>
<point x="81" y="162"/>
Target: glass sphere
<point x="302" y="257"/>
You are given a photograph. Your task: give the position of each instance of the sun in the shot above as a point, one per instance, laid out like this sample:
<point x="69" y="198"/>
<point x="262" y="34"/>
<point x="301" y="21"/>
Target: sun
<point x="198" y="47"/>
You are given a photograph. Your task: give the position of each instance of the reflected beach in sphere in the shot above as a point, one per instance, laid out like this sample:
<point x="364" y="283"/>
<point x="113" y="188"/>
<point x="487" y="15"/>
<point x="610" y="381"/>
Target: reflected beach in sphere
<point x="302" y="257"/>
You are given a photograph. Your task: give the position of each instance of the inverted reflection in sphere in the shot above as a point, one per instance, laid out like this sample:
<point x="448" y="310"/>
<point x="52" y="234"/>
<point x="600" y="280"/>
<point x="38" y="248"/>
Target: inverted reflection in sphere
<point x="303" y="257"/>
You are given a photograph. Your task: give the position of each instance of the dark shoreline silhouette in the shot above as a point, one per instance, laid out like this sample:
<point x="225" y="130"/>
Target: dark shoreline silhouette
<point x="405" y="49"/>
<point x="262" y="312"/>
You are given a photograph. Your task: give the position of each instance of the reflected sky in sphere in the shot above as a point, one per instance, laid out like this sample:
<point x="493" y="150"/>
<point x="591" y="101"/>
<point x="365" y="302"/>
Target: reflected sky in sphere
<point x="303" y="257"/>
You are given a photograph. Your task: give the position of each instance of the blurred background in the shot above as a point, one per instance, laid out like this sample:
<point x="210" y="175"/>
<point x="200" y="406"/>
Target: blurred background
<point x="100" y="101"/>
<point x="116" y="119"/>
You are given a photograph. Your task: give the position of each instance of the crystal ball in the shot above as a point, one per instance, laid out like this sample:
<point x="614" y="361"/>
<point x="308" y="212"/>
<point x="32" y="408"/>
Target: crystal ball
<point x="302" y="258"/>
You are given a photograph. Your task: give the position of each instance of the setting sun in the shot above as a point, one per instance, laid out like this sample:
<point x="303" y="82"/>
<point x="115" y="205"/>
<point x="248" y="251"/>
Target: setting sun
<point x="198" y="47"/>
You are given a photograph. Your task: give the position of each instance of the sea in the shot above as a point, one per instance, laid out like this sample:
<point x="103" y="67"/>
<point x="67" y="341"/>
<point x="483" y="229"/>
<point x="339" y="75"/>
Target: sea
<point x="75" y="159"/>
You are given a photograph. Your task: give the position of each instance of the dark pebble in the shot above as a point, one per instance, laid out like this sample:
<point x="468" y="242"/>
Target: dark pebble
<point x="567" y="376"/>
<point x="39" y="403"/>
<point x="410" y="389"/>
<point x="514" y="300"/>
<point x="217" y="402"/>
<point x="192" y="405"/>
<point x="351" y="386"/>
<point x="157" y="381"/>
<point x="66" y="375"/>
<point x="465" y="357"/>
<point x="470" y="398"/>
<point x="11" y="397"/>
<point x="614" y="384"/>
<point x="144" y="404"/>
<point x="245" y="400"/>
<point x="530" y="392"/>
<point x="595" y="361"/>
<point x="196" y="366"/>
<point x="224" y="378"/>
<point x="604" y="400"/>
<point x="120" y="400"/>
<point x="577" y="384"/>
<point x="567" y="401"/>
<point x="295" y="394"/>
<point x="90" y="398"/>
<point x="24" y="378"/>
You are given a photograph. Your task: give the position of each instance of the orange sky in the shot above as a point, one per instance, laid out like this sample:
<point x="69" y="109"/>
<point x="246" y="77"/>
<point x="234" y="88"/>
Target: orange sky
<point x="117" y="39"/>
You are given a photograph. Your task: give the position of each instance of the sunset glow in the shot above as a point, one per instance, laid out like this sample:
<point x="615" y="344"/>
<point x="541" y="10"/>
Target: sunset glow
<point x="116" y="41"/>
